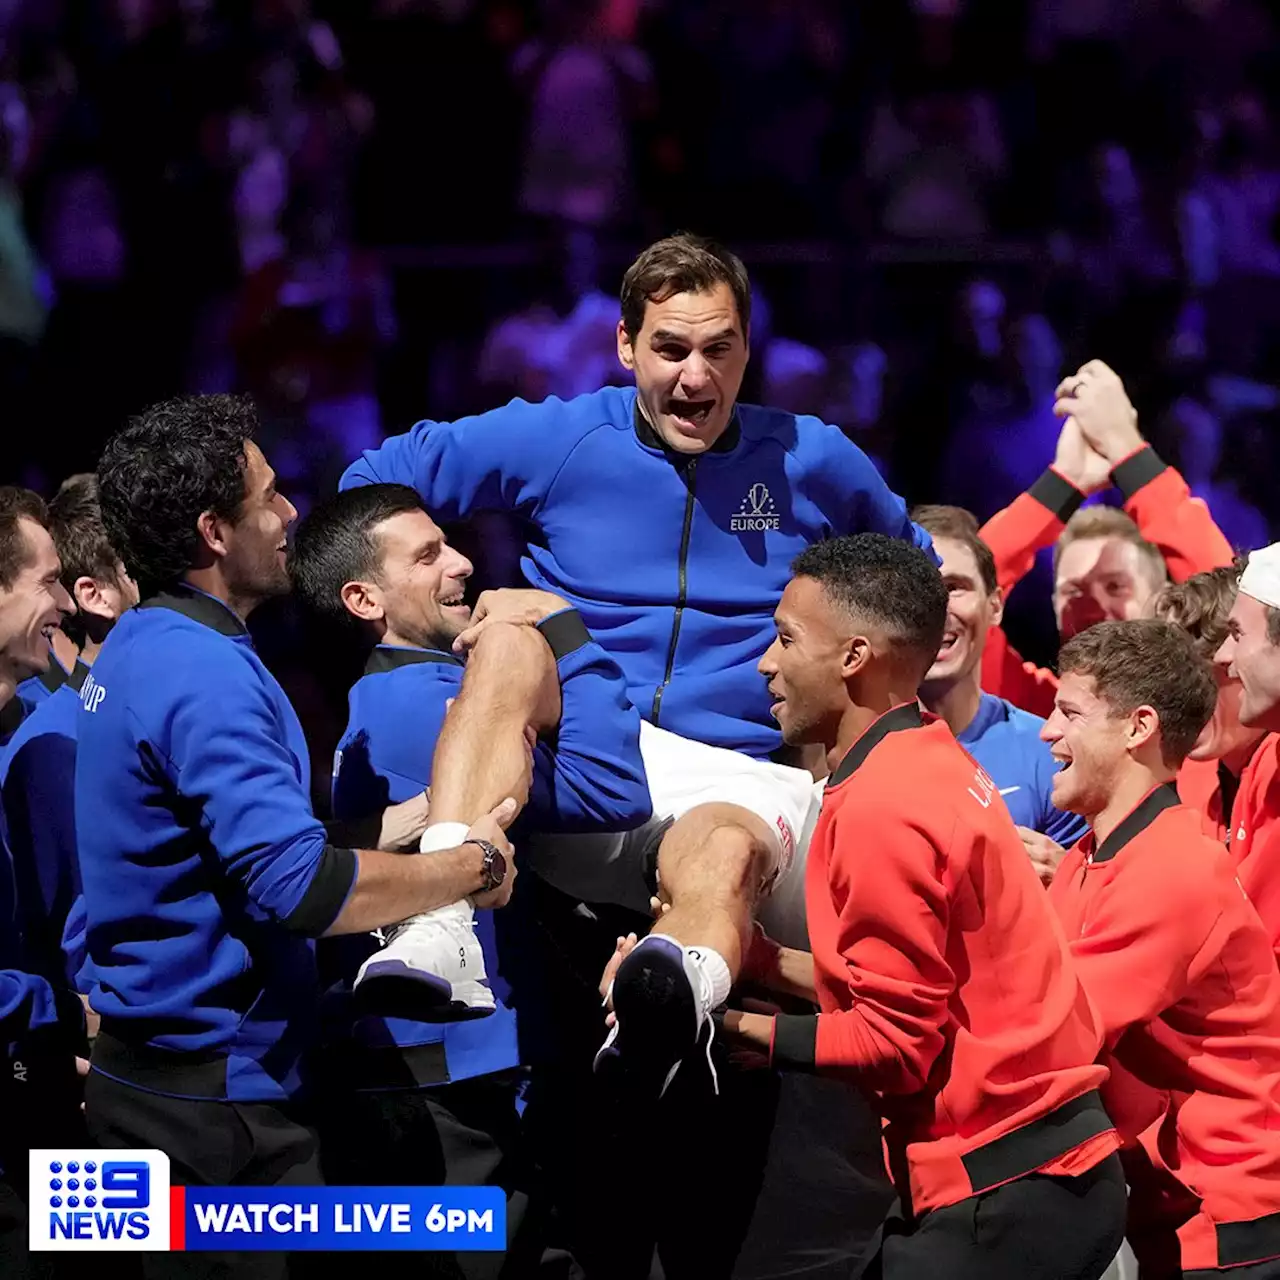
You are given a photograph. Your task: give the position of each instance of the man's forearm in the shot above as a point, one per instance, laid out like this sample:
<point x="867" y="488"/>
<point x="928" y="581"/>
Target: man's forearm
<point x="390" y="887"/>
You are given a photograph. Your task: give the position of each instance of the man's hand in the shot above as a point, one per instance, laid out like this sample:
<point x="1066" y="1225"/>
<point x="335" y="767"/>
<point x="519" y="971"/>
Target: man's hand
<point x="517" y="605"/>
<point x="404" y="823"/>
<point x="1077" y="462"/>
<point x="1045" y="854"/>
<point x="1095" y="397"/>
<point x="621" y="950"/>
<point x="493" y="828"/>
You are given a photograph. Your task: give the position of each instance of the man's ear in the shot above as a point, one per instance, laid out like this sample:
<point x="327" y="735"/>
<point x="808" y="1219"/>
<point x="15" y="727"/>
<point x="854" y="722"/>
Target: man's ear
<point x="363" y="601"/>
<point x="855" y="656"/>
<point x="213" y="534"/>
<point x="1144" y="726"/>
<point x="626" y="351"/>
<point x="88" y="597"/>
<point x="995" y="602"/>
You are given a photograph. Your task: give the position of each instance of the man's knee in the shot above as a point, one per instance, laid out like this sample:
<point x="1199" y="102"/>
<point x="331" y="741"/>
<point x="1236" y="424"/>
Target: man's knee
<point x="513" y="667"/>
<point x="722" y="846"/>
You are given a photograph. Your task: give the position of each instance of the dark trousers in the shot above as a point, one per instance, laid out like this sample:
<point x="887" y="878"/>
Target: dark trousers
<point x="752" y="1184"/>
<point x="1034" y="1228"/>
<point x="209" y="1143"/>
<point x="461" y="1134"/>
<point x="1269" y="1270"/>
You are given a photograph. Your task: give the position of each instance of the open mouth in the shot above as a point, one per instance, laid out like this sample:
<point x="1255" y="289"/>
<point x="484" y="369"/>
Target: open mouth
<point x="455" y="603"/>
<point x="778" y="702"/>
<point x="950" y="639"/>
<point x="691" y="414"/>
<point x="47" y="631"/>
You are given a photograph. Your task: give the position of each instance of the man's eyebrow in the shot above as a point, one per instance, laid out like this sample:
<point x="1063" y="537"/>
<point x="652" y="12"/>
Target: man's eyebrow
<point x="665" y="335"/>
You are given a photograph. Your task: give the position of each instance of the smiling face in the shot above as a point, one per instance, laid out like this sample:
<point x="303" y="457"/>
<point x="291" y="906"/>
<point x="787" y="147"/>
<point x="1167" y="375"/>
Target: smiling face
<point x="1089" y="741"/>
<point x="419" y="586"/>
<point x="1250" y="656"/>
<point x="256" y="544"/>
<point x="804" y="666"/>
<point x="1100" y="579"/>
<point x="971" y="612"/>
<point x="31" y="607"/>
<point x="688" y="359"/>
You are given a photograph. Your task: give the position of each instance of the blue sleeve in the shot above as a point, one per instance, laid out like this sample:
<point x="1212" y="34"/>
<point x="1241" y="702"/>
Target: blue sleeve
<point x="39" y="802"/>
<point x="1062" y="827"/>
<point x="230" y="754"/>
<point x="592" y="778"/>
<point x="857" y="497"/>
<point x="503" y="460"/>
<point x="75" y="947"/>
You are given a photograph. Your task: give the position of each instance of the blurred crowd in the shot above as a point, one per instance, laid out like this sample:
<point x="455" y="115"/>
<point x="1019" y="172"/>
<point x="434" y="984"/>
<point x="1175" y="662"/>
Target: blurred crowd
<point x="369" y="211"/>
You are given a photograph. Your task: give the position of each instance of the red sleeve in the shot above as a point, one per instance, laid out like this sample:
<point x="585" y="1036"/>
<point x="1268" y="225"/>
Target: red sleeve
<point x="891" y="934"/>
<point x="1158" y="500"/>
<point x="1031" y="522"/>
<point x="1006" y="675"/>
<point x="1259" y="873"/>
<point x="1141" y="936"/>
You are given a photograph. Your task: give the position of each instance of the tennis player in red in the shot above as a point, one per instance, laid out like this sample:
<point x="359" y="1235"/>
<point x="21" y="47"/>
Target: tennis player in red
<point x="946" y="988"/>
<point x="1173" y="955"/>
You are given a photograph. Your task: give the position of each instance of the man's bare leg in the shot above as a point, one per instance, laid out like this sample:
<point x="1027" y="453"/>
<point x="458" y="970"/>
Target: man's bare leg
<point x="433" y="965"/>
<point x="713" y="867"/>
<point x="510" y="690"/>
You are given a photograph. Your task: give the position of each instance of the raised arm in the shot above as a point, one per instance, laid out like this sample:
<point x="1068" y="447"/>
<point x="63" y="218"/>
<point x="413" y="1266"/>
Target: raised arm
<point x="502" y="460"/>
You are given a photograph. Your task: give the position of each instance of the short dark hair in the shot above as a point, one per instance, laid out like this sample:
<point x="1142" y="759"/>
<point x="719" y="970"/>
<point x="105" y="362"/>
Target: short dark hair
<point x="335" y="544"/>
<point x="1147" y="662"/>
<point x="940" y="521"/>
<point x="75" y="524"/>
<point x="886" y="581"/>
<point x="682" y="263"/>
<point x="17" y="505"/>
<point x="158" y="475"/>
<point x="1201" y="606"/>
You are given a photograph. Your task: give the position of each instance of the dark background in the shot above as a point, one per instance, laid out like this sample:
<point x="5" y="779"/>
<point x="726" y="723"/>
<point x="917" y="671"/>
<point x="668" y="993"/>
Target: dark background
<point x="365" y="212"/>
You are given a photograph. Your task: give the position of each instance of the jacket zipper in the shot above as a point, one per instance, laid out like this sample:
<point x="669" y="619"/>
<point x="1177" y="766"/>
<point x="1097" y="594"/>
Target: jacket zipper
<point x="690" y="478"/>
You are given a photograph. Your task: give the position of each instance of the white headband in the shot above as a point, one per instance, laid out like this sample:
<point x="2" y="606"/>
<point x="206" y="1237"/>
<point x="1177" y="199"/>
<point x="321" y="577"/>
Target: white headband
<point x="1261" y="577"/>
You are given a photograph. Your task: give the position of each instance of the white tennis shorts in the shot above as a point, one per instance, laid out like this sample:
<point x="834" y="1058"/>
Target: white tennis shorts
<point x="682" y="774"/>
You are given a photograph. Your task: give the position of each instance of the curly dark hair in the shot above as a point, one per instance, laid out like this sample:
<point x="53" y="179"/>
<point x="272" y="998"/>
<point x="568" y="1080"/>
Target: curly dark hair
<point x="886" y="582"/>
<point x="161" y="472"/>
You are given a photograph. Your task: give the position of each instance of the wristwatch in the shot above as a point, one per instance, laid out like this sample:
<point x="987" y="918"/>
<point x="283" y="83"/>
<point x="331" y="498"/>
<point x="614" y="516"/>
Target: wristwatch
<point x="494" y="865"/>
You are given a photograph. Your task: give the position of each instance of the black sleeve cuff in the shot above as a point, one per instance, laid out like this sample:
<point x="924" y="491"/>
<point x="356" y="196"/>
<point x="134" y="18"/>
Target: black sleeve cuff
<point x="357" y="833"/>
<point x="1138" y="470"/>
<point x="1059" y="495"/>
<point x="327" y="893"/>
<point x="795" y="1041"/>
<point x="564" y="632"/>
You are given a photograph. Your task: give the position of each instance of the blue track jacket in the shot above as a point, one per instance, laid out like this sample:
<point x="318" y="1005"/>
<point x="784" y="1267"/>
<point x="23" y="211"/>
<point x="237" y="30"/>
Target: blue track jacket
<point x="205" y="872"/>
<point x="676" y="563"/>
<point x="590" y="778"/>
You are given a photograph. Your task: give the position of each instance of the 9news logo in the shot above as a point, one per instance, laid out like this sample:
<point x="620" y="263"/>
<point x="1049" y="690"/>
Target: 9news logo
<point x="98" y="1200"/>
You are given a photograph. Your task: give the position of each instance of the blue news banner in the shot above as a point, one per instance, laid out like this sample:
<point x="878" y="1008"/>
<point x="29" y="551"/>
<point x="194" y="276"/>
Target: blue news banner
<point x="413" y="1219"/>
<point x="122" y="1201"/>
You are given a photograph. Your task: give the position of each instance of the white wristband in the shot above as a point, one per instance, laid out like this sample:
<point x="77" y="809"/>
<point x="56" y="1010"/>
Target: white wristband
<point x="443" y="835"/>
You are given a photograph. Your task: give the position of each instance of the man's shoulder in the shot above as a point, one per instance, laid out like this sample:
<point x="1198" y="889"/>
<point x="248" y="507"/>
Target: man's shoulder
<point x="54" y="717"/>
<point x="801" y="433"/>
<point x="389" y="692"/>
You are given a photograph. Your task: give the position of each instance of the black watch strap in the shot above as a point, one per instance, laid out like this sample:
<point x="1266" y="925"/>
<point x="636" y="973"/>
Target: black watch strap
<point x="493" y="859"/>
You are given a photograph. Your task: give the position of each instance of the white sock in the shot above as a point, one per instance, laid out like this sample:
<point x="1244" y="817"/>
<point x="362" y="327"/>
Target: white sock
<point x="443" y="835"/>
<point x="715" y="972"/>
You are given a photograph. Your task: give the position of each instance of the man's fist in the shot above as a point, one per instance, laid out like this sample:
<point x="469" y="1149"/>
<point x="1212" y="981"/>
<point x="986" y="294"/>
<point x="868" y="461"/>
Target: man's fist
<point x="1045" y="854"/>
<point x="517" y="605"/>
<point x="1095" y="397"/>
<point x="1076" y="462"/>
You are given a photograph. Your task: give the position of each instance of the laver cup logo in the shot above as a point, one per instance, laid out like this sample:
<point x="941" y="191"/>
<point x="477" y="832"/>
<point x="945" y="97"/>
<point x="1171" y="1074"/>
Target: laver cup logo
<point x="99" y="1200"/>
<point x="756" y="513"/>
